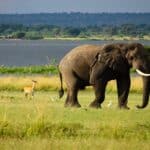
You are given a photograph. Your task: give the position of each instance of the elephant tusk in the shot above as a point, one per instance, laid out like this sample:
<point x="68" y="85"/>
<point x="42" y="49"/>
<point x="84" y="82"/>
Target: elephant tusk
<point x="141" y="73"/>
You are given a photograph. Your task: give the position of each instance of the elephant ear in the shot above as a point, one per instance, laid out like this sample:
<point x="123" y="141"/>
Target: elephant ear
<point x="117" y="62"/>
<point x="114" y="60"/>
<point x="111" y="57"/>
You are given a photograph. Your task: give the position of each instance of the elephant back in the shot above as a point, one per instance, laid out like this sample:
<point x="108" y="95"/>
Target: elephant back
<point x="86" y="52"/>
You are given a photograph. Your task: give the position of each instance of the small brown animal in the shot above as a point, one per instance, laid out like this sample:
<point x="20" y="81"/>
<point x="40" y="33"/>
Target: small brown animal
<point x="29" y="90"/>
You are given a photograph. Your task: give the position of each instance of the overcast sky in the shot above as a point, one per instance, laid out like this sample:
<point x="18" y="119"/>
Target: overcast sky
<point x="38" y="6"/>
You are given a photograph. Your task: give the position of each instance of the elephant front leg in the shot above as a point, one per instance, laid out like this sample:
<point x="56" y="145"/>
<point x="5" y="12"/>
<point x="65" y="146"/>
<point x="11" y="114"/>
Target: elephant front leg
<point x="99" y="88"/>
<point x="123" y="86"/>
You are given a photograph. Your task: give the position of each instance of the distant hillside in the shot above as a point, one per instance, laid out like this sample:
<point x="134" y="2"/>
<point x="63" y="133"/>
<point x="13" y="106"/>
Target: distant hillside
<point x="76" y="19"/>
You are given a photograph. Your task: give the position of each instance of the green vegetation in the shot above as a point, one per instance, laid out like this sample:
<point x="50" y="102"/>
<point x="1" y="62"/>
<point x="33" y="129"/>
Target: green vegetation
<point x="103" y="32"/>
<point x="44" y="123"/>
<point x="45" y="69"/>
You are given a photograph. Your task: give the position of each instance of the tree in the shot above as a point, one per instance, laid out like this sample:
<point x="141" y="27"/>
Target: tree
<point x="19" y="35"/>
<point x="73" y="31"/>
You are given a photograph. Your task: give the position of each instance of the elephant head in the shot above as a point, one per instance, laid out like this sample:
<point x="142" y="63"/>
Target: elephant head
<point x="118" y="59"/>
<point x="138" y="58"/>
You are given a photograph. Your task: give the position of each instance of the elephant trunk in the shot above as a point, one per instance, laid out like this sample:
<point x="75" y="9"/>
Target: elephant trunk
<point x="146" y="92"/>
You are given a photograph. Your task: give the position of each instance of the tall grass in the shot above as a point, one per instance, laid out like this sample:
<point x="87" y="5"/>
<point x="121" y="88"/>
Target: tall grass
<point x="16" y="83"/>
<point x="46" y="83"/>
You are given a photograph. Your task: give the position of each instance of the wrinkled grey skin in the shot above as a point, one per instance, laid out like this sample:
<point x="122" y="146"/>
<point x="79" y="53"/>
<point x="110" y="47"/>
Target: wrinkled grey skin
<point x="96" y="65"/>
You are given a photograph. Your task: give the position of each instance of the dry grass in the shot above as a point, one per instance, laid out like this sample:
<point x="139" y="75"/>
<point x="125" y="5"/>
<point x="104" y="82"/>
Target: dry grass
<point x="47" y="83"/>
<point x="18" y="82"/>
<point x="136" y="85"/>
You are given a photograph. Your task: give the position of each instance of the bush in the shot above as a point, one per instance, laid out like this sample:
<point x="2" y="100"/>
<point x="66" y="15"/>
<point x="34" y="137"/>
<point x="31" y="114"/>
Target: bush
<point x="33" y="36"/>
<point x="18" y="35"/>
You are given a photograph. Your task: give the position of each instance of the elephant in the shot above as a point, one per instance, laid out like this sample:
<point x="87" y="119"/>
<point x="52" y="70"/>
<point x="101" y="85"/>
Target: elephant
<point x="95" y="65"/>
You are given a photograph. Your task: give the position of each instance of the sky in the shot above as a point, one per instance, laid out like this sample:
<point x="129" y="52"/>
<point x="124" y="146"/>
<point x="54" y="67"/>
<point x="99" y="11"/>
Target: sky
<point x="91" y="6"/>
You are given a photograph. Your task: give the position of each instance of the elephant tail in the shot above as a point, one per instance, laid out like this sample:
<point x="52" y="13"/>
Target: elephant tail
<point x="61" y="91"/>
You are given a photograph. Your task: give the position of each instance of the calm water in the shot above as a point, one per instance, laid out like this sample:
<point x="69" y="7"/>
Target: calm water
<point x="38" y="52"/>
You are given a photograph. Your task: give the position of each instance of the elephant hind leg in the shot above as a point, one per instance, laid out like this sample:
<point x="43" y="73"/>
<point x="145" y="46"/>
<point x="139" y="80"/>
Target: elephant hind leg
<point x="72" y="92"/>
<point x="72" y="99"/>
<point x="67" y="100"/>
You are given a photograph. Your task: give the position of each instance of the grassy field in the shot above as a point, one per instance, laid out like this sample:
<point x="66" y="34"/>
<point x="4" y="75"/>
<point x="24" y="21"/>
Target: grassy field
<point x="43" y="123"/>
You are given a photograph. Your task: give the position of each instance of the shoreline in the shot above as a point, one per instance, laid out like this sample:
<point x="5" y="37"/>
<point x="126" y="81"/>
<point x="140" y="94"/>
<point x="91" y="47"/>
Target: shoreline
<point x="111" y="38"/>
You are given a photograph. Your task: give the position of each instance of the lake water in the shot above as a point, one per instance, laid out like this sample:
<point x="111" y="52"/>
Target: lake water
<point x="38" y="52"/>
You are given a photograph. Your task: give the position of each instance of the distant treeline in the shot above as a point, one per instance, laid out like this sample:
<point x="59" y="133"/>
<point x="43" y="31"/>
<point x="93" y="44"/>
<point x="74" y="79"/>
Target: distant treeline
<point x="51" y="31"/>
<point x="76" y="19"/>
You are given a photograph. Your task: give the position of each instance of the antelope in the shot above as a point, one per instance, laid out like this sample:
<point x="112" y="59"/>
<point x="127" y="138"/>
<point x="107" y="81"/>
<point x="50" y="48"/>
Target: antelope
<point x="29" y="90"/>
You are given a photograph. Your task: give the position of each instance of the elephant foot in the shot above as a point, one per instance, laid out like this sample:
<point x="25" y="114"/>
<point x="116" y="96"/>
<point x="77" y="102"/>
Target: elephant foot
<point x="77" y="105"/>
<point x="95" y="104"/>
<point x="73" y="104"/>
<point x="124" y="107"/>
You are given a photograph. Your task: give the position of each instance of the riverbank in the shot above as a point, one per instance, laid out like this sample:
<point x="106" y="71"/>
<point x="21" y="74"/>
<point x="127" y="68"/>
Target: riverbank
<point x="103" y="38"/>
<point x="96" y="38"/>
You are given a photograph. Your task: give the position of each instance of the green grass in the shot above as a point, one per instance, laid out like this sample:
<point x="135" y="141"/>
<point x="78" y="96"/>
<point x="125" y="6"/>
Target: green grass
<point x="44" y="123"/>
<point x="45" y="69"/>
